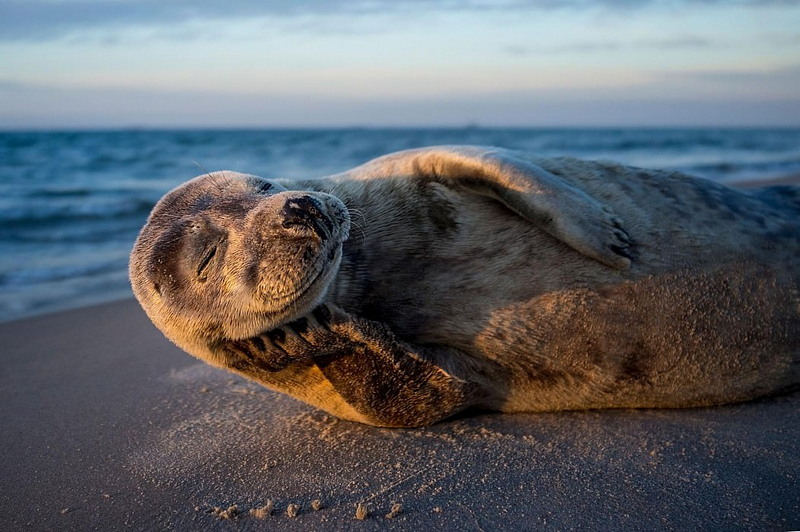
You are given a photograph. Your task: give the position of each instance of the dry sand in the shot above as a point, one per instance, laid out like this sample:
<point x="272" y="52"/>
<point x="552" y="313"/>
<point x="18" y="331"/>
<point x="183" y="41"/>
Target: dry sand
<point x="107" y="426"/>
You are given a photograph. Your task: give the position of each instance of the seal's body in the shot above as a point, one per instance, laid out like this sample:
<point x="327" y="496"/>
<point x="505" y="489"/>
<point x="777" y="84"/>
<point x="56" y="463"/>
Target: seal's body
<point x="433" y="280"/>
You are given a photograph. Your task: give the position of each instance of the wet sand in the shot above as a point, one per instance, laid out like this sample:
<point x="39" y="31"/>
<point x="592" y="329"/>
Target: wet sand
<point x="108" y="426"/>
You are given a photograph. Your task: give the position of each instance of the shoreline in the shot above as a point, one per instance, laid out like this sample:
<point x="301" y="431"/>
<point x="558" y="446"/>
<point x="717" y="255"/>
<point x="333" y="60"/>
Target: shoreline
<point x="109" y="426"/>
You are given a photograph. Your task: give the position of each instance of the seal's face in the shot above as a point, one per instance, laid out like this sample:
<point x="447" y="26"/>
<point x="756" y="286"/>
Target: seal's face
<point x="229" y="256"/>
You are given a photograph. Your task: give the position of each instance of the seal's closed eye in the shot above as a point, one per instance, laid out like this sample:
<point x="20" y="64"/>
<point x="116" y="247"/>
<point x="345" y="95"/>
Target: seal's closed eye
<point x="212" y="251"/>
<point x="203" y="241"/>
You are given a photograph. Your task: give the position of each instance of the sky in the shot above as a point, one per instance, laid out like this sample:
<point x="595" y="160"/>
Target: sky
<point x="363" y="63"/>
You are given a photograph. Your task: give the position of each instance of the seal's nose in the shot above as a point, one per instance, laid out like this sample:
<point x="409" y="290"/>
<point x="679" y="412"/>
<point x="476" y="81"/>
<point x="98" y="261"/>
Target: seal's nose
<point x="305" y="211"/>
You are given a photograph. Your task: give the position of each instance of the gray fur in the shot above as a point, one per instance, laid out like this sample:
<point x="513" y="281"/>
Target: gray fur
<point x="434" y="280"/>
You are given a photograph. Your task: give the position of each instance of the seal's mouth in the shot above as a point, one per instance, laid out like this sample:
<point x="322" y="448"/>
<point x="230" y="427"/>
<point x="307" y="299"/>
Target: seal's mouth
<point x="314" y="287"/>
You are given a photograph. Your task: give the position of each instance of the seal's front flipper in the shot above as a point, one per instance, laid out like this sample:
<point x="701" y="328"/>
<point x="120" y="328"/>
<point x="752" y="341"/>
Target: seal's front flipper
<point x="559" y="208"/>
<point x="352" y="368"/>
<point x="385" y="380"/>
<point x="392" y="388"/>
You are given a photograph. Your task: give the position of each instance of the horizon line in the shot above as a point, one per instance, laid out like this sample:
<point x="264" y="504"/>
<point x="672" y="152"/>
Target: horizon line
<point x="399" y="127"/>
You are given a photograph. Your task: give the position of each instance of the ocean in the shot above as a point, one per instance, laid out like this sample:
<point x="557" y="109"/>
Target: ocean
<point x="71" y="203"/>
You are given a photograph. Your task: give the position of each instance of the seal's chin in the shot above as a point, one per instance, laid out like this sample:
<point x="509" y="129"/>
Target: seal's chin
<point x="271" y="312"/>
<point x="314" y="288"/>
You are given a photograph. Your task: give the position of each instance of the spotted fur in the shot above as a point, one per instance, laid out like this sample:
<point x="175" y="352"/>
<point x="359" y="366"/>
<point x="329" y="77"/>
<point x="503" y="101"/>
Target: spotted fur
<point x="430" y="281"/>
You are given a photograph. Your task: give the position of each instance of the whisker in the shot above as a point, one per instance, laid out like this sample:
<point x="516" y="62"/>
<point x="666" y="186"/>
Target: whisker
<point x="216" y="180"/>
<point x="358" y="221"/>
<point x="201" y="167"/>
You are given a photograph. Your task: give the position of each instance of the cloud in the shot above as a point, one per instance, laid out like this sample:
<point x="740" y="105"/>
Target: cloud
<point x="776" y="80"/>
<point x="35" y="20"/>
<point x="47" y="19"/>
<point x="613" y="46"/>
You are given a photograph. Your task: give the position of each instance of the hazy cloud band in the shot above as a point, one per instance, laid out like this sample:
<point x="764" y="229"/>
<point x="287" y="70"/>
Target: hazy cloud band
<point x="50" y="19"/>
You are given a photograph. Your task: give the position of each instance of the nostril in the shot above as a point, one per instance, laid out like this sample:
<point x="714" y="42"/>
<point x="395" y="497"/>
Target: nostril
<point x="303" y="210"/>
<point x="304" y="203"/>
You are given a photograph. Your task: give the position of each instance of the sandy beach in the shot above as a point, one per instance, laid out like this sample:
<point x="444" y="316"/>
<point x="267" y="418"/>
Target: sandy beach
<point x="107" y="426"/>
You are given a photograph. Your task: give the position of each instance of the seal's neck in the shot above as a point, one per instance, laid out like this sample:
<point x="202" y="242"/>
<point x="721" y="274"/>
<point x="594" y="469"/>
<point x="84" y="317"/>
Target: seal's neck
<point x="389" y="223"/>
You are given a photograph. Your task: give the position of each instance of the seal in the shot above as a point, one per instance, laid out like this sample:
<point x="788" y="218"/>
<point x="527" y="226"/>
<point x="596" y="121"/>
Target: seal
<point x="431" y="281"/>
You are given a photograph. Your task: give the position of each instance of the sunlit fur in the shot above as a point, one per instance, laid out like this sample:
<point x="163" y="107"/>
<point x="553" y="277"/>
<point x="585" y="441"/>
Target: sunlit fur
<point x="248" y="288"/>
<point x="487" y="278"/>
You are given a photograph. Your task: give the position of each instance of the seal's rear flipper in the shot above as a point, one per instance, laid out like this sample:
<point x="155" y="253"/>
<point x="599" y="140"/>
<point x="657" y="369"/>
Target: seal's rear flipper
<point x="559" y="208"/>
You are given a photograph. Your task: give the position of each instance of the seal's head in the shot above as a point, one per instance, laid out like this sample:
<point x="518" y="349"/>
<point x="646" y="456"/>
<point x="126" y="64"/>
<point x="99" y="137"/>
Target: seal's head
<point x="228" y="256"/>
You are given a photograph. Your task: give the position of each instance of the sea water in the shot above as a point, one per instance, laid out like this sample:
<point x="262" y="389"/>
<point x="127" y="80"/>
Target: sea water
<point x="71" y="203"/>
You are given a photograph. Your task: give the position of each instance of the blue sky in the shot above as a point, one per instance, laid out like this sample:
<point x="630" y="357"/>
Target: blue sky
<point x="175" y="63"/>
